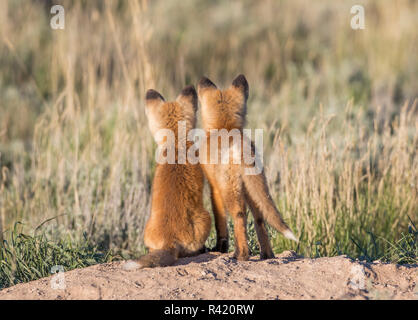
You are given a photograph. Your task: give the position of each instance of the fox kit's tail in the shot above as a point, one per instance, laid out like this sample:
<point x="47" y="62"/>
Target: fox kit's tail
<point x="157" y="258"/>
<point x="259" y="200"/>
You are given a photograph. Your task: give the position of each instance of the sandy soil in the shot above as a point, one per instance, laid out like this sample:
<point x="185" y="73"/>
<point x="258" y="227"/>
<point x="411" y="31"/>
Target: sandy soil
<point x="217" y="276"/>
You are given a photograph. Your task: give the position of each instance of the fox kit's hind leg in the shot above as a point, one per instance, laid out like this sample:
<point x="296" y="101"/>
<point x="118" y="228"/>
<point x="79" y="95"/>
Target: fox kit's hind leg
<point x="236" y="207"/>
<point x="263" y="239"/>
<point x="202" y="223"/>
<point x="221" y="225"/>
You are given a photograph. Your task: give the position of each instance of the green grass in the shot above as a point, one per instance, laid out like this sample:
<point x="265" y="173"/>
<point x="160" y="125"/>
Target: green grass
<point x="25" y="257"/>
<point x="405" y="250"/>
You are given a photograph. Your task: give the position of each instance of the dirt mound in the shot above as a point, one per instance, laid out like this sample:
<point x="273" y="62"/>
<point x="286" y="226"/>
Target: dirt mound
<point x="219" y="276"/>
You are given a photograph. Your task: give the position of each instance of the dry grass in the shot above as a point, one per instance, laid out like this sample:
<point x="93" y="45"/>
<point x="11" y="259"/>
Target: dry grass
<point x="336" y="105"/>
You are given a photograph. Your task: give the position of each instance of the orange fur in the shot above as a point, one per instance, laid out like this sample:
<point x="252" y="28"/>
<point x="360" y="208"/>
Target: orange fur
<point x="178" y="225"/>
<point x="231" y="189"/>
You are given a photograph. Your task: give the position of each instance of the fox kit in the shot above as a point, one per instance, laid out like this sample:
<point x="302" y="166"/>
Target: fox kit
<point x="178" y="225"/>
<point x="231" y="189"/>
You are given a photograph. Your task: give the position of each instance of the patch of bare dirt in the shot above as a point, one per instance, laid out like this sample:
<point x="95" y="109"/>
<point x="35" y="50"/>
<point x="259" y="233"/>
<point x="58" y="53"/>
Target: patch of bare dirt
<point x="219" y="276"/>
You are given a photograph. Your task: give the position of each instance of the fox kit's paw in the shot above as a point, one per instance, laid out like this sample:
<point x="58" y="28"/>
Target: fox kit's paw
<point x="242" y="256"/>
<point x="242" y="253"/>
<point x="222" y="245"/>
<point x="203" y="250"/>
<point x="266" y="255"/>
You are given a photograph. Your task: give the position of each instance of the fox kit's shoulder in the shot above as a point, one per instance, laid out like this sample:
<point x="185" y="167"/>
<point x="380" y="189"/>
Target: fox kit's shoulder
<point x="223" y="108"/>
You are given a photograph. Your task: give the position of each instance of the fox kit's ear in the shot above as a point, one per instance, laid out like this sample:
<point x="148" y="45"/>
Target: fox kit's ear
<point x="204" y="85"/>
<point x="153" y="99"/>
<point x="188" y="98"/>
<point x="241" y="84"/>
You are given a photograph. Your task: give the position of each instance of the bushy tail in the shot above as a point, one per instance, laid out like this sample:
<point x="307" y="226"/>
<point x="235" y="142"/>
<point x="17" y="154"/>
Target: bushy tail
<point x="257" y="190"/>
<point x="157" y="258"/>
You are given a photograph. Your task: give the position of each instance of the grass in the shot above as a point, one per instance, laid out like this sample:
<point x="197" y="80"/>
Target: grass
<point x="405" y="250"/>
<point x="25" y="257"/>
<point x="337" y="106"/>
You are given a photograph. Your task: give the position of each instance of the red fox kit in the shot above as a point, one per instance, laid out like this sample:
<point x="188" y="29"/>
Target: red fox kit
<point x="231" y="189"/>
<point x="178" y="225"/>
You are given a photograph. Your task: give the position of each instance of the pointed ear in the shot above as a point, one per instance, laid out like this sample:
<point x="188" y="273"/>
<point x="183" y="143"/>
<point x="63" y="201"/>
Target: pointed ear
<point x="153" y="99"/>
<point x="241" y="84"/>
<point x="204" y="85"/>
<point x="188" y="98"/>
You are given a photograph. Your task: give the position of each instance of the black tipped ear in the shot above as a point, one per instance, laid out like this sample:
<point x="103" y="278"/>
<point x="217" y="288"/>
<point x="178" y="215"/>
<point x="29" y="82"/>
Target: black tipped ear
<point x="153" y="95"/>
<point x="190" y="91"/>
<point x="205" y="83"/>
<point x="153" y="99"/>
<point x="241" y="83"/>
<point x="188" y="97"/>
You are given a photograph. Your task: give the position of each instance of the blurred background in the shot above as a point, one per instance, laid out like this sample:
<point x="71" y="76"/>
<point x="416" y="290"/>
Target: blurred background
<point x="337" y="105"/>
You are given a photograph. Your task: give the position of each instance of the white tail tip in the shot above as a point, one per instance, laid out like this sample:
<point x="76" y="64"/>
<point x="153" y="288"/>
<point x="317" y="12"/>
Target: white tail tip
<point x="289" y="235"/>
<point x="130" y="265"/>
